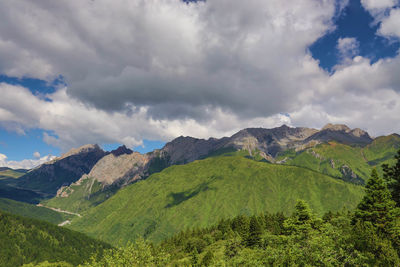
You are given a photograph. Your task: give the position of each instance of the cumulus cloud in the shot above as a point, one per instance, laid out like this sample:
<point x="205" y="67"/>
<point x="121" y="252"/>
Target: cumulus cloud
<point x="378" y="8"/>
<point x="24" y="164"/>
<point x="168" y="55"/>
<point x="390" y="24"/>
<point x="378" y="4"/>
<point x="347" y="48"/>
<point x="75" y="123"/>
<point x="158" y="69"/>
<point x="36" y="155"/>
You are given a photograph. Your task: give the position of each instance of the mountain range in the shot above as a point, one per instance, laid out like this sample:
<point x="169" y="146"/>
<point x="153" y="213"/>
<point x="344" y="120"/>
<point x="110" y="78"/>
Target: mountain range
<point x="189" y="182"/>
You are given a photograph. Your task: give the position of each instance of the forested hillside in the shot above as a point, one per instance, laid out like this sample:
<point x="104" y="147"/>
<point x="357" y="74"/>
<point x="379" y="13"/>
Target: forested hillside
<point x="32" y="211"/>
<point x="25" y="240"/>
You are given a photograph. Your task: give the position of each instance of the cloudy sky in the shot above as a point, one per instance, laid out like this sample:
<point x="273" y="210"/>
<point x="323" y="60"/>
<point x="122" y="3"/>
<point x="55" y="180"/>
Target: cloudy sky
<point x="141" y="72"/>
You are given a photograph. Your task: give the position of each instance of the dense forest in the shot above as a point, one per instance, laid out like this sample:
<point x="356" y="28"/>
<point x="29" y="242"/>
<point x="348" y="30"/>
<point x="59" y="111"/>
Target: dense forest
<point x="26" y="240"/>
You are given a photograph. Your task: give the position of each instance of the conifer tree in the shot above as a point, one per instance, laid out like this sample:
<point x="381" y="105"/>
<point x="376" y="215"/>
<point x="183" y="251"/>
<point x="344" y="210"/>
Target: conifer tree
<point x="255" y="231"/>
<point x="302" y="220"/>
<point x="392" y="176"/>
<point x="207" y="259"/>
<point x="377" y="206"/>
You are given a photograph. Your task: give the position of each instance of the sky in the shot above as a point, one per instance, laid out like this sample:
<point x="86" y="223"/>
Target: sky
<point x="142" y="72"/>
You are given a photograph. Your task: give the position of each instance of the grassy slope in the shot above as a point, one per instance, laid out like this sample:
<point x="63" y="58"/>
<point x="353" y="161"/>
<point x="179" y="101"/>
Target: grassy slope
<point x="32" y="211"/>
<point x="25" y="240"/>
<point x="202" y="192"/>
<point x="360" y="159"/>
<point x="9" y="173"/>
<point x="88" y="194"/>
<point x="382" y="149"/>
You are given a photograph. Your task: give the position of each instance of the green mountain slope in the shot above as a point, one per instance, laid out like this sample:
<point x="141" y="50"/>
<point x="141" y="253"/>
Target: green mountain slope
<point x="79" y="198"/>
<point x="350" y="163"/>
<point x="382" y="149"/>
<point x="32" y="211"/>
<point x="25" y="240"/>
<point x="6" y="173"/>
<point x="202" y="192"/>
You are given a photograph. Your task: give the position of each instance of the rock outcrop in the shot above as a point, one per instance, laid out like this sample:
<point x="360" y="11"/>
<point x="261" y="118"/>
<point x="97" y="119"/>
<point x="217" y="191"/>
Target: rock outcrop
<point x="269" y="142"/>
<point x="49" y="177"/>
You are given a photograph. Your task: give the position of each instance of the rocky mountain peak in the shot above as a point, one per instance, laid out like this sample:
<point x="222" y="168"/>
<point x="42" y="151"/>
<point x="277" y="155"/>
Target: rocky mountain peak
<point x="49" y="177"/>
<point x="336" y="127"/>
<point x="340" y="133"/>
<point x="358" y="132"/>
<point x="121" y="150"/>
<point x="80" y="150"/>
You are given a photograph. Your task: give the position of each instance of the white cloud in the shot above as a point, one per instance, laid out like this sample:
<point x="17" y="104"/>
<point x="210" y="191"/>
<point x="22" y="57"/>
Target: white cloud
<point x="347" y="47"/>
<point x="378" y="4"/>
<point x="378" y="8"/>
<point x="24" y="164"/>
<point x="387" y="12"/>
<point x="36" y="155"/>
<point x="391" y="25"/>
<point x="158" y="69"/>
<point x="75" y="123"/>
<point x="176" y="59"/>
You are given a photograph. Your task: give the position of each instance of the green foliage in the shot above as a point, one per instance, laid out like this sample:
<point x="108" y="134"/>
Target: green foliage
<point x="302" y="221"/>
<point x="201" y="193"/>
<point x="207" y="259"/>
<point x="376" y="207"/>
<point x="32" y="211"/>
<point x="25" y="240"/>
<point x="375" y="230"/>
<point x="254" y="235"/>
<point x="328" y="243"/>
<point x="49" y="264"/>
<point x="139" y="253"/>
<point x="392" y="176"/>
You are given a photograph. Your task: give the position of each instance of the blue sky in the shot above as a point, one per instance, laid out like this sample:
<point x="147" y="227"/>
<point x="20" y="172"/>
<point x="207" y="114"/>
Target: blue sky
<point x="356" y="22"/>
<point x="136" y="93"/>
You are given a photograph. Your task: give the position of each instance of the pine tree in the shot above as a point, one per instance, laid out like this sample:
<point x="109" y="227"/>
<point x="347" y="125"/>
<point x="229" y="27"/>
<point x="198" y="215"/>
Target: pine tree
<point x="392" y="176"/>
<point x="195" y="257"/>
<point x="207" y="259"/>
<point x="240" y="225"/>
<point x="376" y="207"/>
<point x="302" y="220"/>
<point x="255" y="231"/>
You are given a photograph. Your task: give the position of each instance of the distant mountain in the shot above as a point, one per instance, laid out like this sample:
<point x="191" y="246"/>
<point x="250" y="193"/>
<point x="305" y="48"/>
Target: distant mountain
<point x="200" y="193"/>
<point x="347" y="162"/>
<point x="304" y="147"/>
<point x="267" y="142"/>
<point x="49" y="177"/>
<point x="6" y="173"/>
<point x="115" y="170"/>
<point x="341" y="134"/>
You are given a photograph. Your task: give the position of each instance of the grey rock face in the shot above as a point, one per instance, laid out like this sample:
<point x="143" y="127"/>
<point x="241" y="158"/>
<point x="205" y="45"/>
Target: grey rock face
<point x="49" y="177"/>
<point x="268" y="141"/>
<point x="349" y="176"/>
<point x="342" y="134"/>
